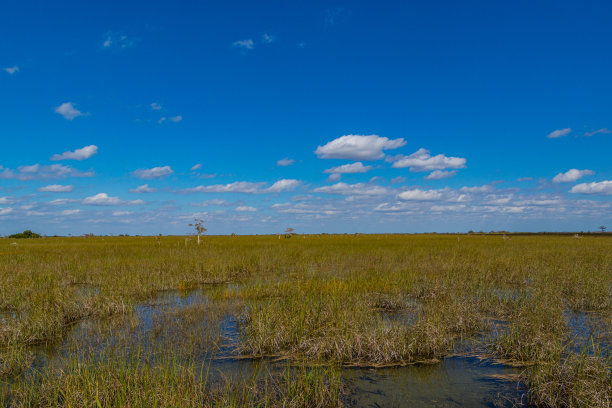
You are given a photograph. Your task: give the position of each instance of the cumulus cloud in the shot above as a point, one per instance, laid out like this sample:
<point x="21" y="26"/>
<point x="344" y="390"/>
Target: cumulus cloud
<point x="143" y="189"/>
<point x="334" y="177"/>
<point x="352" y="189"/>
<point x="571" y="175"/>
<point x="351" y="168"/>
<point x="440" y="174"/>
<point x="285" y="162"/>
<point x="247" y="44"/>
<point x="246" y="209"/>
<point x="78" y="154"/>
<point x="477" y="189"/>
<point x="68" y="111"/>
<point x="422" y="160"/>
<point x="559" y="133"/>
<point x="213" y="202"/>
<point x="421" y="195"/>
<point x="358" y="147"/>
<point x="598" y="131"/>
<point x="155" y="172"/>
<point x="104" y="199"/>
<point x="176" y="119"/>
<point x="283" y="185"/>
<point x="38" y="172"/>
<point x="595" y="188"/>
<point x="56" y="188"/>
<point x="12" y="70"/>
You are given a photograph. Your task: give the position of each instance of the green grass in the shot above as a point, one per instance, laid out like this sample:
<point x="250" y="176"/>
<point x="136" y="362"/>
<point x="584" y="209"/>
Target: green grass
<point x="335" y="300"/>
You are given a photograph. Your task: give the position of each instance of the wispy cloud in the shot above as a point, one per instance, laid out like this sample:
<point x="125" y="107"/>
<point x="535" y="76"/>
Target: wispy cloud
<point x="78" y="154"/>
<point x="68" y="111"/>
<point x="267" y="38"/>
<point x="196" y="167"/>
<point x="352" y="189"/>
<point x="285" y="162"/>
<point x="56" y="188"/>
<point x="598" y="131"/>
<point x="358" y="147"/>
<point x="247" y="44"/>
<point x="156" y="106"/>
<point x="155" y="172"/>
<point x="246" y="209"/>
<point x="559" y="133"/>
<point x="176" y="119"/>
<point x="12" y="70"/>
<point x="38" y="172"/>
<point x="103" y="199"/>
<point x="143" y="189"/>
<point x="118" y="41"/>
<point x="571" y="175"/>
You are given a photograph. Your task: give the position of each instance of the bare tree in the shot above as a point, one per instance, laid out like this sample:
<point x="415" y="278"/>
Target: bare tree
<point x="602" y="228"/>
<point x="198" y="224"/>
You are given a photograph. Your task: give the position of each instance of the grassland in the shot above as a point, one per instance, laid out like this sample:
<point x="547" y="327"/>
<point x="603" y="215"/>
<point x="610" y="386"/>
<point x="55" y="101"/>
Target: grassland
<point x="317" y="303"/>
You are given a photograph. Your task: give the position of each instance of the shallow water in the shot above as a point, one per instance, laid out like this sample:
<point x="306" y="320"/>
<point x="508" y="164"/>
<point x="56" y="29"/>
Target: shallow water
<point x="187" y="324"/>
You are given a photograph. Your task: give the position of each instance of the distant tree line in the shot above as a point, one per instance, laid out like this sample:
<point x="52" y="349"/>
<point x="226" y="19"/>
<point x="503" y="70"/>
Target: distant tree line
<point x="25" y="234"/>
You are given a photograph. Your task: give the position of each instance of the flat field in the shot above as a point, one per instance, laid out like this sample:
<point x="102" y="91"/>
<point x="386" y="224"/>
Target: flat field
<point x="306" y="321"/>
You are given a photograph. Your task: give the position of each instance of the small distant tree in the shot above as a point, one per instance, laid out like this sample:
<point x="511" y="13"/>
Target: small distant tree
<point x="25" y="234"/>
<point x="198" y="224"/>
<point x="602" y="228"/>
<point x="289" y="232"/>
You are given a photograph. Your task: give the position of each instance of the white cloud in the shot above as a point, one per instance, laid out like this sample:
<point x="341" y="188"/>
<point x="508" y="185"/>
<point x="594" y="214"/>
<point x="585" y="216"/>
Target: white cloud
<point x="596" y="188"/>
<point x="79" y="154"/>
<point x="155" y="172"/>
<point x="571" y="175"/>
<point x="70" y="212"/>
<point x="176" y="119"/>
<point x="196" y="167"/>
<point x="105" y="199"/>
<point x="351" y="168"/>
<point x="213" y="202"/>
<point x="283" y="185"/>
<point x="285" y="162"/>
<point x="161" y="120"/>
<point x="235" y="187"/>
<point x="398" y="179"/>
<point x="7" y="200"/>
<point x="352" y="189"/>
<point x="267" y="38"/>
<point x="12" y="70"/>
<point x="421" y="195"/>
<point x="358" y="147"/>
<point x="68" y="111"/>
<point x="595" y="132"/>
<point x="246" y="209"/>
<point x="143" y="189"/>
<point x="477" y="189"/>
<point x="244" y="44"/>
<point x="156" y="106"/>
<point x="440" y="174"/>
<point x="62" y="201"/>
<point x="334" y="177"/>
<point x="56" y="188"/>
<point x="118" y="40"/>
<point x="122" y="213"/>
<point x="559" y="133"/>
<point x="38" y="172"/>
<point x="422" y="160"/>
<point x="6" y="210"/>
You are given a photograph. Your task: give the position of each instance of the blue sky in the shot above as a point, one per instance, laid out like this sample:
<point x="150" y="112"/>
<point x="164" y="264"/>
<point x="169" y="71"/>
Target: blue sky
<point x="322" y="116"/>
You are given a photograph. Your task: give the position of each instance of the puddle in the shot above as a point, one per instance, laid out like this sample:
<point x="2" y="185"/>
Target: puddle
<point x="587" y="328"/>
<point x="455" y="382"/>
<point x="190" y="327"/>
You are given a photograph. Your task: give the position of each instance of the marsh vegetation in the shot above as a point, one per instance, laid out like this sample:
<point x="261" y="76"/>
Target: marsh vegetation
<point x="312" y="321"/>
